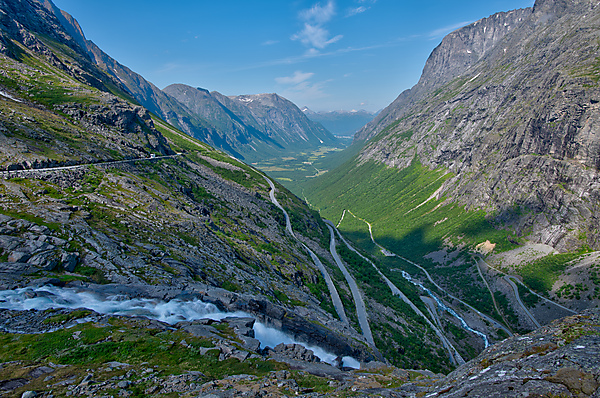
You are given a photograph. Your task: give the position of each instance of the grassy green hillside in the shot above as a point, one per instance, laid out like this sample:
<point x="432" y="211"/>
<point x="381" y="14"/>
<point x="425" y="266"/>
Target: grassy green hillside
<point x="407" y="219"/>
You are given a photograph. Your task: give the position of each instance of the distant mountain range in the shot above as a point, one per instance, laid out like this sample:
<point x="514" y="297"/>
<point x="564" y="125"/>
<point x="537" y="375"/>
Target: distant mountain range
<point x="341" y="123"/>
<point x="251" y="127"/>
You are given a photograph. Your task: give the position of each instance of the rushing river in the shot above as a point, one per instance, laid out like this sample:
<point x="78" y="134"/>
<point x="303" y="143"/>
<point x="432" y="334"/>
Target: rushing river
<point x="170" y="312"/>
<point x="446" y="308"/>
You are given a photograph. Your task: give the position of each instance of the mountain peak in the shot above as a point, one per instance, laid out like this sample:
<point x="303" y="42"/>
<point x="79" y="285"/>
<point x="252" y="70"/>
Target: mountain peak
<point x="307" y="111"/>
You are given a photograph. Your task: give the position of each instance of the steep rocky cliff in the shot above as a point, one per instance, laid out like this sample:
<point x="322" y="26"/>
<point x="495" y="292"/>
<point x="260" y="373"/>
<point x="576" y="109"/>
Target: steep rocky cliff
<point x="514" y="118"/>
<point x="457" y="52"/>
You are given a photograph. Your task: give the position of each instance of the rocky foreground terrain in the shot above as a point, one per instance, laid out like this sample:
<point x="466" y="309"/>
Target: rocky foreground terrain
<point x="102" y="202"/>
<point x="121" y="356"/>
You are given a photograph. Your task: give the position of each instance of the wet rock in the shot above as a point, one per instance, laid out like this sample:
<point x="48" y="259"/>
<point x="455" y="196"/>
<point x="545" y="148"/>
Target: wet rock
<point x="241" y="326"/>
<point x="250" y="343"/>
<point x="47" y="281"/>
<point x="296" y="352"/>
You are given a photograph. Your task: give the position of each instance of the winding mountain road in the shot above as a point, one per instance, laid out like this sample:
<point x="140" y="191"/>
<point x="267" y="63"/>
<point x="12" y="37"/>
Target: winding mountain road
<point x="487" y="285"/>
<point x="531" y="291"/>
<point x="335" y="297"/>
<point x="388" y="253"/>
<point x="361" y="311"/>
<point x="453" y="354"/>
<point x="508" y="279"/>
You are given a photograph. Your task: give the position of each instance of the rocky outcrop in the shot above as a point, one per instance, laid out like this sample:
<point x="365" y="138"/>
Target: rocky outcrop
<point x="558" y="360"/>
<point x="28" y="246"/>
<point x="457" y="52"/>
<point x="464" y="47"/>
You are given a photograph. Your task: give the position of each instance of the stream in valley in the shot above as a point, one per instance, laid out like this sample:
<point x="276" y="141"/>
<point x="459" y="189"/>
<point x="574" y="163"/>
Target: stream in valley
<point x="171" y="312"/>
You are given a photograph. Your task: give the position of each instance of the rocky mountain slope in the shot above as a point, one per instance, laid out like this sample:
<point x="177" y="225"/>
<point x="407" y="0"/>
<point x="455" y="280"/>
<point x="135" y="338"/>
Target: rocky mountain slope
<point x="96" y="189"/>
<point x="493" y="153"/>
<point x="254" y="127"/>
<point x="526" y="108"/>
<point x="457" y="52"/>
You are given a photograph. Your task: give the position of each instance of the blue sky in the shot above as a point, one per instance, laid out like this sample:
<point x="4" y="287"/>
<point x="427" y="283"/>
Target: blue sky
<point x="327" y="55"/>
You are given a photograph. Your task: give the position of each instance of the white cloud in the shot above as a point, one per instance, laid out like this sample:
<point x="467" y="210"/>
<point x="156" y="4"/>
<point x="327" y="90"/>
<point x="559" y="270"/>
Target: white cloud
<point x="315" y="36"/>
<point x="308" y="90"/>
<point x="297" y="78"/>
<point x="318" y="14"/>
<point x="358" y="10"/>
<point x="299" y="88"/>
<point x="270" y="42"/>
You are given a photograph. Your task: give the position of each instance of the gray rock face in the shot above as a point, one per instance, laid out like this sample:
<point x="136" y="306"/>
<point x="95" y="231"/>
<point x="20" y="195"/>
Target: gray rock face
<point x="464" y="47"/>
<point x="296" y="352"/>
<point x="457" y="52"/>
<point x="560" y="359"/>
<point x="509" y="105"/>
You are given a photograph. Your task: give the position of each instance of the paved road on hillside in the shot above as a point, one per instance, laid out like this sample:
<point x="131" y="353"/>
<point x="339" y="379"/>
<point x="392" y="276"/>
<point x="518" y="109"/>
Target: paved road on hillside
<point x="335" y="297"/>
<point x="487" y="285"/>
<point x="361" y="311"/>
<point x="508" y="279"/>
<point x="16" y="173"/>
<point x="452" y="352"/>
<point x="530" y="291"/>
